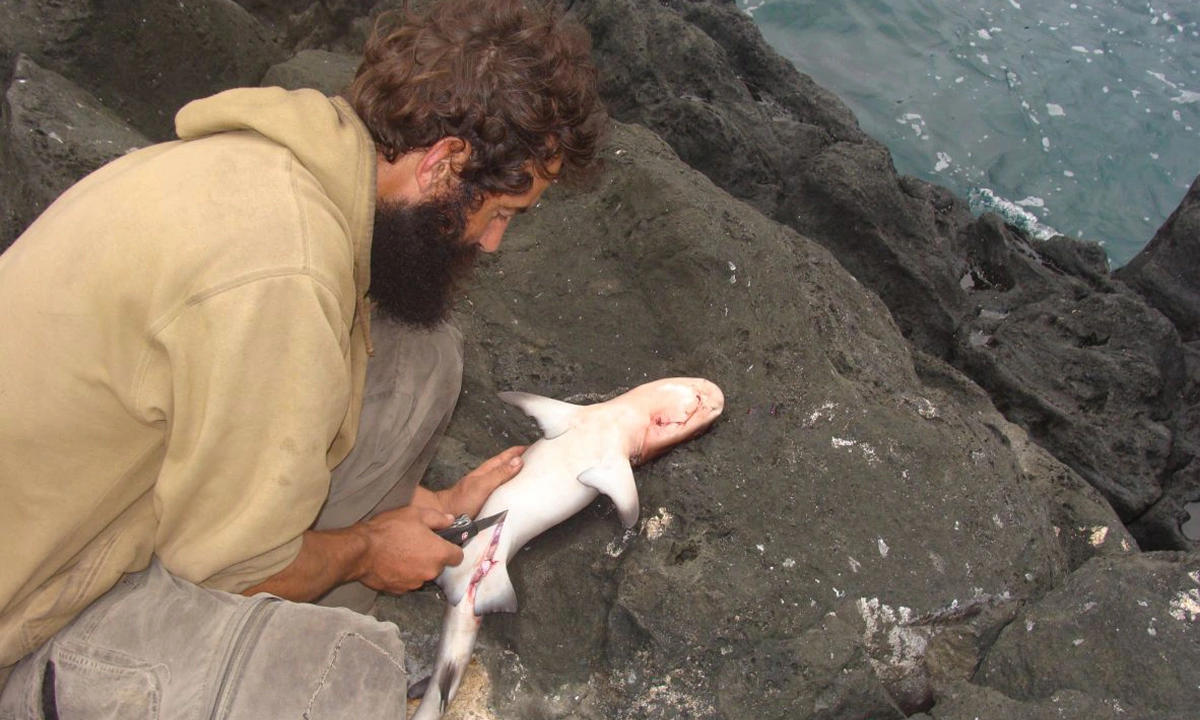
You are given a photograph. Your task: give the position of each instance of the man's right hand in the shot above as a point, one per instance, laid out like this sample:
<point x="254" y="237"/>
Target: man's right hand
<point x="403" y="551"/>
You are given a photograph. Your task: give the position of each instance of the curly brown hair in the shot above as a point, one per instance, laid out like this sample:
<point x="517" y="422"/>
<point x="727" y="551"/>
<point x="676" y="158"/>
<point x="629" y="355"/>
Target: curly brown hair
<point x="513" y="79"/>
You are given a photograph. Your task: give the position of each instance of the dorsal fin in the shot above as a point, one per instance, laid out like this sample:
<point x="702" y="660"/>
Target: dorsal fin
<point x="554" y="417"/>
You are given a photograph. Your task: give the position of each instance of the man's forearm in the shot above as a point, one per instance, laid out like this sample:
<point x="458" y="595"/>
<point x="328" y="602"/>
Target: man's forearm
<point x="395" y="551"/>
<point x="327" y="559"/>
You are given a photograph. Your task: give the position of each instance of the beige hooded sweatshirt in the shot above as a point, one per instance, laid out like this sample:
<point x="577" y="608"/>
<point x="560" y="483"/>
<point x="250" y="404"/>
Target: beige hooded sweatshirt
<point x="182" y="356"/>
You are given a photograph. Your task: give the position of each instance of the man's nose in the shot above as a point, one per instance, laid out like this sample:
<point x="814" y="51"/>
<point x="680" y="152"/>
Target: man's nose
<point x="489" y="241"/>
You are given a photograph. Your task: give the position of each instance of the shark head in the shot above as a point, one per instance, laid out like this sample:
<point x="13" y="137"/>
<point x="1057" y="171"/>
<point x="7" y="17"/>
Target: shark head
<point x="677" y="409"/>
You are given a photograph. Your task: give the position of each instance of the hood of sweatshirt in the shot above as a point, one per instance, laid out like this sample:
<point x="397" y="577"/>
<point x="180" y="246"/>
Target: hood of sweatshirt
<point x="324" y="134"/>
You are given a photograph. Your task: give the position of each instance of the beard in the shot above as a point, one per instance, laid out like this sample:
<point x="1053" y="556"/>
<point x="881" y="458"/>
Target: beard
<point x="420" y="262"/>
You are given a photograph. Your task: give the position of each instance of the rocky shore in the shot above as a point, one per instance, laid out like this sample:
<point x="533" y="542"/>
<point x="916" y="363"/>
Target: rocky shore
<point x="955" y="460"/>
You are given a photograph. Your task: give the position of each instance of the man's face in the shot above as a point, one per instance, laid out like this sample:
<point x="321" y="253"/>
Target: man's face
<point x="423" y="254"/>
<point x="486" y="226"/>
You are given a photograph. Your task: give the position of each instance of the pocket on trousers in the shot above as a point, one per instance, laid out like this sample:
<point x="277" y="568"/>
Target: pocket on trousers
<point x="100" y="684"/>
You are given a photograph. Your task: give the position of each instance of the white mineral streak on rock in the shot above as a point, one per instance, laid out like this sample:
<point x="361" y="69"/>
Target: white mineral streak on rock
<point x="616" y="547"/>
<point x="1186" y="606"/>
<point x="925" y="408"/>
<point x="1098" y="535"/>
<point x="883" y="548"/>
<point x="658" y="524"/>
<point x="897" y="651"/>
<point x="825" y="411"/>
<point x="681" y="693"/>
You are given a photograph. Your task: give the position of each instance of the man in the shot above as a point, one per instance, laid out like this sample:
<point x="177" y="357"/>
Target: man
<point x="185" y="339"/>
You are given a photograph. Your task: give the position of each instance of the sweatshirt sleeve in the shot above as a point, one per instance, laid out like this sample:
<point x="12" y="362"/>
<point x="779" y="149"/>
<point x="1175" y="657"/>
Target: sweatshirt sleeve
<point x="258" y="380"/>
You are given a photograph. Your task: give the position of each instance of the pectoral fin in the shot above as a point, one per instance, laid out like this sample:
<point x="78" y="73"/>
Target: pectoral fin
<point x="554" y="417"/>
<point x="614" y="477"/>
<point x="495" y="592"/>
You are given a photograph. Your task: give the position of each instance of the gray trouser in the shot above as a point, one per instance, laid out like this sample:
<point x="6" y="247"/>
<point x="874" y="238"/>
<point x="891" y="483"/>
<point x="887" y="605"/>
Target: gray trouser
<point x="158" y="647"/>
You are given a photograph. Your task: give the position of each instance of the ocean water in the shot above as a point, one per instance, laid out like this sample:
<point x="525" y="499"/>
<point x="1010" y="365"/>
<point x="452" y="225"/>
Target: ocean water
<point x="1079" y="118"/>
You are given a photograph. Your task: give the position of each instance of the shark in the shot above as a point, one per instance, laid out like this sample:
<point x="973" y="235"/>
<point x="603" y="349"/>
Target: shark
<point x="585" y="451"/>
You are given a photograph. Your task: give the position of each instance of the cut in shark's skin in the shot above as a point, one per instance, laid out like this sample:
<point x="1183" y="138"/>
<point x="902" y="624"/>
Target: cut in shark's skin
<point x="585" y="451"/>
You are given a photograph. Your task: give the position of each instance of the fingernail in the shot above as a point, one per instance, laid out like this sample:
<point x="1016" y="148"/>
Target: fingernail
<point x="515" y="462"/>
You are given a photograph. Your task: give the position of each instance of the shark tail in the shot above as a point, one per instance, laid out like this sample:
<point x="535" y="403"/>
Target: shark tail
<point x="459" y="630"/>
<point x="451" y="678"/>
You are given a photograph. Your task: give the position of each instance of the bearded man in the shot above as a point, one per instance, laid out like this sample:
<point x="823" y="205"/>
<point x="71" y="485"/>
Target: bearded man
<point x="226" y="363"/>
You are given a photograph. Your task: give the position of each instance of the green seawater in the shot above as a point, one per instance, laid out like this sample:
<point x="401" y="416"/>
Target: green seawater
<point x="1065" y="117"/>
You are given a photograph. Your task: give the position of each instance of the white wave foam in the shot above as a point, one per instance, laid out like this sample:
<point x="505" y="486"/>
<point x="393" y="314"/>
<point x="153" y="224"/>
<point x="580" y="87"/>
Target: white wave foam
<point x="983" y="200"/>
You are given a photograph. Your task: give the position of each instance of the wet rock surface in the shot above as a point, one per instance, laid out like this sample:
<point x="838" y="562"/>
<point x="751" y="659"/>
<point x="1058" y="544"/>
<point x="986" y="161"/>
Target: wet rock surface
<point x="1167" y="273"/>
<point x="935" y="425"/>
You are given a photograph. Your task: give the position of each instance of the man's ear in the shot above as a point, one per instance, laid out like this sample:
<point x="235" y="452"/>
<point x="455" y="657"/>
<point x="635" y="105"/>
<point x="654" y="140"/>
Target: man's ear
<point x="442" y="162"/>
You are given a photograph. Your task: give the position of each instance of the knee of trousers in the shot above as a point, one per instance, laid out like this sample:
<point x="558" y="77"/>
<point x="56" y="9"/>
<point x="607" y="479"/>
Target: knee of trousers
<point x="431" y="360"/>
<point x="446" y="370"/>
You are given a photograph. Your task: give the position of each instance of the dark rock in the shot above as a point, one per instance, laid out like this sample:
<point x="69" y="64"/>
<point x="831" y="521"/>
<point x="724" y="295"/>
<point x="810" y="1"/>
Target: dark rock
<point x="320" y="69"/>
<point x="1083" y="519"/>
<point x="700" y="75"/>
<point x="965" y="701"/>
<point x="143" y="59"/>
<point x="1161" y="525"/>
<point x="1116" y="407"/>
<point x="1112" y="615"/>
<point x="53" y="134"/>
<point x="312" y="24"/>
<point x="1100" y="411"/>
<point x="1077" y="258"/>
<point x="1167" y="271"/>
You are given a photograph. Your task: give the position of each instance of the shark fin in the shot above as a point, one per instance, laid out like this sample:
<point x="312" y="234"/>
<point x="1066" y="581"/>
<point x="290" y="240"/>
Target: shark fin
<point x="451" y="678"/>
<point x="614" y="477"/>
<point x="416" y="691"/>
<point x="554" y="417"/>
<point x="495" y="592"/>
